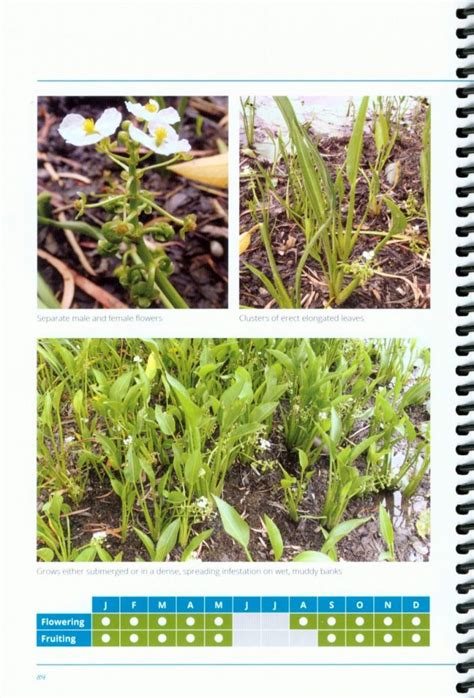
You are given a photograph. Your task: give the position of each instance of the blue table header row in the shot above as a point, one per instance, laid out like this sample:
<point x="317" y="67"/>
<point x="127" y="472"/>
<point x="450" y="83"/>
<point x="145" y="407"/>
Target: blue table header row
<point x="260" y="604"/>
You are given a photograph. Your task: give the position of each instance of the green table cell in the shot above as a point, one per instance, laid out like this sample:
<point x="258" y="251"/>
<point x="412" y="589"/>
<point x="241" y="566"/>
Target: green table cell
<point x="190" y="638"/>
<point x="106" y="622"/>
<point x="332" y="621"/>
<point x="218" y="638"/>
<point x="416" y="621"/>
<point x="162" y="638"/>
<point x="330" y="638"/>
<point x="360" y="638"/>
<point x="133" y="621"/>
<point x="385" y="621"/>
<point x="416" y="638"/>
<point x="105" y="638"/>
<point x="360" y="621"/>
<point x="303" y="621"/>
<point x="388" y="638"/>
<point x="190" y="621"/>
<point x="165" y="621"/>
<point x="133" y="638"/>
<point x="218" y="621"/>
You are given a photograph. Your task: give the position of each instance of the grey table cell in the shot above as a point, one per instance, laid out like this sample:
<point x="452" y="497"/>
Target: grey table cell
<point x="246" y="621"/>
<point x="246" y="638"/>
<point x="275" y="638"/>
<point x="303" y="638"/>
<point x="275" y="621"/>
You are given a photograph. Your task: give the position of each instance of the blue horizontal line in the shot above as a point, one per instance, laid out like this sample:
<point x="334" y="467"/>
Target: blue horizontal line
<point x="193" y="664"/>
<point x="260" y="80"/>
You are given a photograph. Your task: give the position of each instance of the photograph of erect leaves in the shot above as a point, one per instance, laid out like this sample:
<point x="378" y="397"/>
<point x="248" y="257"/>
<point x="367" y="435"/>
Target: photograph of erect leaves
<point x="335" y="202"/>
<point x="132" y="202"/>
<point x="295" y="450"/>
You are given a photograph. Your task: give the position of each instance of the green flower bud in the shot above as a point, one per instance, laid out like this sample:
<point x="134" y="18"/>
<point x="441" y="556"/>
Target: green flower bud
<point x="123" y="138"/>
<point x="161" y="231"/>
<point x="116" y="230"/>
<point x="106" y="248"/>
<point x="188" y="226"/>
<point x="166" y="265"/>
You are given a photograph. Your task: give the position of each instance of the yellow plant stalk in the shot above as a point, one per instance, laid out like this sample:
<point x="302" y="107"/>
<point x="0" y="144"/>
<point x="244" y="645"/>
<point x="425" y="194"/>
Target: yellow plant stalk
<point x="212" y="170"/>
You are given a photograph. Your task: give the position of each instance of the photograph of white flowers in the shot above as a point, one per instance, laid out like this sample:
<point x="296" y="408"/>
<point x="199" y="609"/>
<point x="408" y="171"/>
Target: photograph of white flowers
<point x="335" y="202"/>
<point x="132" y="202"/>
<point x="219" y="450"/>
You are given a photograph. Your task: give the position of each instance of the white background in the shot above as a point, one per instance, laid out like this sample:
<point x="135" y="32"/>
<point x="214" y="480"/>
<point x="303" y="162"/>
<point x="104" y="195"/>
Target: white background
<point x="228" y="45"/>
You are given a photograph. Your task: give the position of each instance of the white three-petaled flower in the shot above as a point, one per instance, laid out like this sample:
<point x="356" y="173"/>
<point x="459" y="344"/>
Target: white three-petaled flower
<point x="151" y="111"/>
<point x="78" y="130"/>
<point x="161" y="139"/>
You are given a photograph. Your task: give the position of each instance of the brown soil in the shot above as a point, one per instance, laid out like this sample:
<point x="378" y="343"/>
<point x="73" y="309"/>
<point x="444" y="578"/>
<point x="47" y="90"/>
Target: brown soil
<point x="199" y="275"/>
<point x="408" y="260"/>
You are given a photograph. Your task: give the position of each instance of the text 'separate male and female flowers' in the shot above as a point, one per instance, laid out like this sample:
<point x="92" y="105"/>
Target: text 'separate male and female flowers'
<point x="125" y="216"/>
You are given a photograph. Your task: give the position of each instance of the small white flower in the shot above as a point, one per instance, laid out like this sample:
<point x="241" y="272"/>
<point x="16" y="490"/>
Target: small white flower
<point x="99" y="536"/>
<point x="128" y="440"/>
<point x="151" y="110"/>
<point x="137" y="359"/>
<point x="264" y="444"/>
<point x="78" y="130"/>
<point x="368" y="255"/>
<point x="323" y="415"/>
<point x="202" y="502"/>
<point x="69" y="439"/>
<point x="162" y="140"/>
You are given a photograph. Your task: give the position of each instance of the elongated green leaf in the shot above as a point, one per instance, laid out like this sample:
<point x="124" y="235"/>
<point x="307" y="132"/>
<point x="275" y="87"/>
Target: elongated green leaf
<point x="234" y="525"/>
<point x="354" y="149"/>
<point x="151" y="367"/>
<point x="274" y="535"/>
<point x="261" y="412"/>
<point x="191" y="410"/>
<point x="381" y="132"/>
<point x="45" y="554"/>
<point x="120" y="387"/>
<point x="165" y="421"/>
<point x="341" y="531"/>
<point x="195" y="543"/>
<point x="386" y="528"/>
<point x="336" y="427"/>
<point x="312" y="556"/>
<point x="167" y="541"/>
<point x="147" y="542"/>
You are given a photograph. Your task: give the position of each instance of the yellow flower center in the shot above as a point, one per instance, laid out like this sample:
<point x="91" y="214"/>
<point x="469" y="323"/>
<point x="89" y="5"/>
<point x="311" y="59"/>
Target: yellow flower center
<point x="151" y="107"/>
<point x="160" y="135"/>
<point x="89" y="126"/>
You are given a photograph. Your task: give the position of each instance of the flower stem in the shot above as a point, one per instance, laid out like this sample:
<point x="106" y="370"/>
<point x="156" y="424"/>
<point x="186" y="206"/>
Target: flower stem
<point x="178" y="221"/>
<point x="161" y="280"/>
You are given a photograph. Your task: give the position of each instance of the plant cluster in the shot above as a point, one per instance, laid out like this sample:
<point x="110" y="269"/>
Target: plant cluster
<point x="325" y="204"/>
<point x="162" y="423"/>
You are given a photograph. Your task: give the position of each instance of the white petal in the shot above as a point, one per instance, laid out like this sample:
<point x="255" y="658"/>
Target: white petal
<point x="109" y="122"/>
<point x="143" y="138"/>
<point x="156" y="122"/>
<point x="140" y="110"/>
<point x="168" y="115"/>
<point x="71" y="129"/>
<point x="171" y="147"/>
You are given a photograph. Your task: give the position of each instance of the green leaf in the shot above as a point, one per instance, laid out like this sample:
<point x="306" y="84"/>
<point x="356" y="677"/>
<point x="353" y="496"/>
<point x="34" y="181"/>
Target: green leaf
<point x="167" y="541"/>
<point x="147" y="542"/>
<point x="261" y="412"/>
<point x="381" y="132"/>
<point x="341" y="531"/>
<point x="165" y="421"/>
<point x="312" y="556"/>
<point x="195" y="543"/>
<point x="354" y="149"/>
<point x="192" y="467"/>
<point x="386" y="528"/>
<point x="234" y="525"/>
<point x="275" y="537"/>
<point x="336" y="427"/>
<point x="87" y="555"/>
<point x="151" y="367"/>
<point x="45" y="554"/>
<point x="120" y="387"/>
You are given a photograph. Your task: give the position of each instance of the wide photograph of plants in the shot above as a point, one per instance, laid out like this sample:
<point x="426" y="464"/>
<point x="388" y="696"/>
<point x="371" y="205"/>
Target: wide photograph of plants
<point x="335" y="198"/>
<point x="304" y="450"/>
<point x="132" y="202"/>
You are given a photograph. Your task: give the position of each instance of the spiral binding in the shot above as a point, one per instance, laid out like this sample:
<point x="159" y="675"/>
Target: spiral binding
<point x="465" y="390"/>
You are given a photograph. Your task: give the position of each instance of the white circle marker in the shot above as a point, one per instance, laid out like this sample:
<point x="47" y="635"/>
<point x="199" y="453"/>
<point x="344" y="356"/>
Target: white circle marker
<point x="190" y="621"/>
<point x="387" y="637"/>
<point x="360" y="637"/>
<point x="218" y="637"/>
<point x="105" y="638"/>
<point x="162" y="621"/>
<point x="415" y="637"/>
<point x="303" y="621"/>
<point x="388" y="621"/>
<point x="415" y="621"/>
<point x="218" y="621"/>
<point x="134" y="638"/>
<point x="162" y="638"/>
<point x="134" y="621"/>
<point x="105" y="621"/>
<point x="331" y="620"/>
<point x="190" y="637"/>
<point x="331" y="637"/>
<point x="360" y="621"/>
